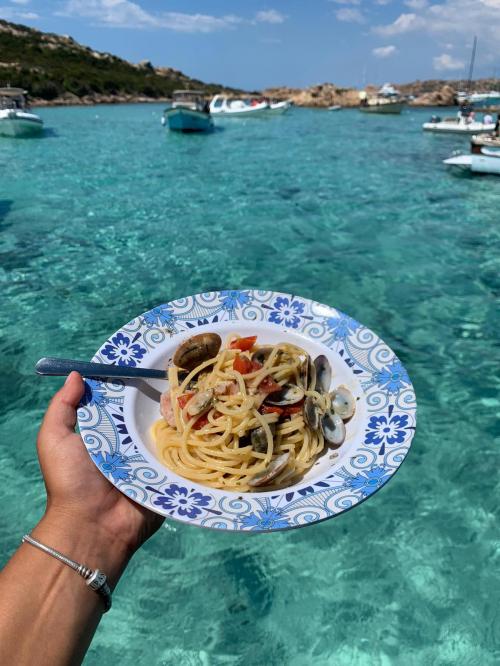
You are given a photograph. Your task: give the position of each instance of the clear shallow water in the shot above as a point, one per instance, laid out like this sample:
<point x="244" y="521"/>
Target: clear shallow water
<point x="109" y="215"/>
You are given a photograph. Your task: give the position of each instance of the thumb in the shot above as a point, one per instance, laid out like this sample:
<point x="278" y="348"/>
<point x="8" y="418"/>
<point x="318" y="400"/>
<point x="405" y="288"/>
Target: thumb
<point x="60" y="418"/>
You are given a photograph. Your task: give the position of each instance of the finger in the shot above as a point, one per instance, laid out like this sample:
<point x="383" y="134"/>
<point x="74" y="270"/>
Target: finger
<point x="60" y="418"/>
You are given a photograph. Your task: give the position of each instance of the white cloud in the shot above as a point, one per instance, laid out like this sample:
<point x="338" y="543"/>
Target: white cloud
<point x="126" y="14"/>
<point x="416" y="4"/>
<point x="445" y="62"/>
<point x="449" y="19"/>
<point x="270" y="16"/>
<point x="14" y="14"/>
<point x="404" y="23"/>
<point x="350" y="15"/>
<point x="384" y="51"/>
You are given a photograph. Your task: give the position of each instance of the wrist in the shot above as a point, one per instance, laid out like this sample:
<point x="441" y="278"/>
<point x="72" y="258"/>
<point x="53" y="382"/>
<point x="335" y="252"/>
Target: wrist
<point x="84" y="541"/>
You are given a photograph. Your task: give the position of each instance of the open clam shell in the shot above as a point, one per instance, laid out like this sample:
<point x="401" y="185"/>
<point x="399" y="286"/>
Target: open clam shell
<point x="343" y="402"/>
<point x="274" y="468"/>
<point x="333" y="428"/>
<point x="289" y="395"/>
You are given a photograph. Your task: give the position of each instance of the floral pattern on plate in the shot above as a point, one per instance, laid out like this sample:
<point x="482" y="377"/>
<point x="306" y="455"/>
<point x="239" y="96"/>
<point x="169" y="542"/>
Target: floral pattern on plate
<point x="375" y="454"/>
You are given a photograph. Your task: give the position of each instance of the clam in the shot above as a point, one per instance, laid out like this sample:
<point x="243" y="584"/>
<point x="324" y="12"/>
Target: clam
<point x="307" y="372"/>
<point x="197" y="349"/>
<point x="288" y="395"/>
<point x="258" y="438"/>
<point x="333" y="428"/>
<point x="274" y="468"/>
<point x="262" y="354"/>
<point x="312" y="413"/>
<point x="323" y="374"/>
<point x="343" y="402"/>
<point x="200" y="402"/>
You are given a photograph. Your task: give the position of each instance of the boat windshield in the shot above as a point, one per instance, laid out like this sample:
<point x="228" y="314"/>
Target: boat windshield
<point x="11" y="98"/>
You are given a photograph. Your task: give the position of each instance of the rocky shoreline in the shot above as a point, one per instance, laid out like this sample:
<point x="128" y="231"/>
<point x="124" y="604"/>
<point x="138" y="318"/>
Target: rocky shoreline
<point x="328" y="94"/>
<point x="318" y="96"/>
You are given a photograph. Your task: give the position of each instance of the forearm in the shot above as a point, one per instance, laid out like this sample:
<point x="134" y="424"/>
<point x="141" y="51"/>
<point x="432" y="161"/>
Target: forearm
<point x="48" y="614"/>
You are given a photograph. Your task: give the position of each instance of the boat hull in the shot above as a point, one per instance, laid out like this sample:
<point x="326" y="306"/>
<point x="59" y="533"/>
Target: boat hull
<point x="244" y="113"/>
<point x="475" y="163"/>
<point x="391" y="107"/>
<point x="278" y="108"/>
<point x="444" y="127"/>
<point x="188" y="120"/>
<point x="21" y="125"/>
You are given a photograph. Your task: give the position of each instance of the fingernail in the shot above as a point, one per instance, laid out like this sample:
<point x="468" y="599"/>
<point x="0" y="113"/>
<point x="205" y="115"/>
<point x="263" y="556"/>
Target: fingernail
<point x="67" y="378"/>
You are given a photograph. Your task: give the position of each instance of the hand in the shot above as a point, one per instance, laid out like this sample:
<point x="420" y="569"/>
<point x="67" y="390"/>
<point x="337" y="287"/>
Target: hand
<point x="77" y="492"/>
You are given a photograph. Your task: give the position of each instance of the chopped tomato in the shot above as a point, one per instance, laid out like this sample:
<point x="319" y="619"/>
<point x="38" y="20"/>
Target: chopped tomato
<point x="268" y="385"/>
<point x="243" y="344"/>
<point x="271" y="409"/>
<point x="242" y="364"/>
<point x="289" y="410"/>
<point x="182" y="400"/>
<point x="201" y="422"/>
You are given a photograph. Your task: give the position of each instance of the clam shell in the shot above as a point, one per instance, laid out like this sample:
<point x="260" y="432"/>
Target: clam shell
<point x="258" y="438"/>
<point x="311" y="413"/>
<point x="274" y="468"/>
<point x="289" y="395"/>
<point x="200" y="402"/>
<point x="197" y="349"/>
<point x="343" y="402"/>
<point x="333" y="428"/>
<point x="323" y="374"/>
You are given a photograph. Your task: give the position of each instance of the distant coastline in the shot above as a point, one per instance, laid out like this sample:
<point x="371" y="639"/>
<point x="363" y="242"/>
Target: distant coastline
<point x="57" y="71"/>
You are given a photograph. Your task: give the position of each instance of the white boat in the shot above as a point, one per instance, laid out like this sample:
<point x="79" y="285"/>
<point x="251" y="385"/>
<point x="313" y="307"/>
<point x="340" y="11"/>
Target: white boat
<point x="461" y="124"/>
<point x="188" y="112"/>
<point x="16" y="120"/>
<point x="491" y="97"/>
<point x="335" y="107"/>
<point x="387" y="100"/>
<point x="224" y="106"/>
<point x="484" y="156"/>
<point x="279" y="107"/>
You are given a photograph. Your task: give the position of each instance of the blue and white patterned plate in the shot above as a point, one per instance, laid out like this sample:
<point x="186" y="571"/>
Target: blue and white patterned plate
<point x="115" y="416"/>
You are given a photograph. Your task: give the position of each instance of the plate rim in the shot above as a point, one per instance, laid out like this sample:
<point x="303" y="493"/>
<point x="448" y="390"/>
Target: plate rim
<point x="170" y="318"/>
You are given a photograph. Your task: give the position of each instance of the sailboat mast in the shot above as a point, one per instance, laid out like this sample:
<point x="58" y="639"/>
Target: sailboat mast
<point x="471" y="68"/>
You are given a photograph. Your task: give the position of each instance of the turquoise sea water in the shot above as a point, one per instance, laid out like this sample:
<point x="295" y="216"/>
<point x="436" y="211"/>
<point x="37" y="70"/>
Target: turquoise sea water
<point x="109" y="215"/>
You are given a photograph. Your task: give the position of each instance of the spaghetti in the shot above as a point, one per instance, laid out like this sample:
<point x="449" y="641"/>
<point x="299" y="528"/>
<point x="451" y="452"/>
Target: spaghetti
<point x="236" y="420"/>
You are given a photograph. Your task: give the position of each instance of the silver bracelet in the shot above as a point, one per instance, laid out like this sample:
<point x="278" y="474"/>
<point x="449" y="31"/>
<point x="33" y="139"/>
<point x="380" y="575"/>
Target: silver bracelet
<point x="94" y="579"/>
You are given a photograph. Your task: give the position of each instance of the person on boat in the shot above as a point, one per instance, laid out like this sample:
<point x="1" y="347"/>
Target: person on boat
<point x="488" y="119"/>
<point x="48" y="615"/>
<point x="497" y="126"/>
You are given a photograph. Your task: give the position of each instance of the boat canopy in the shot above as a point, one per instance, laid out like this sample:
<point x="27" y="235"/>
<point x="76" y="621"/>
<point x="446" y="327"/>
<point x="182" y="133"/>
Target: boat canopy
<point x="12" y="92"/>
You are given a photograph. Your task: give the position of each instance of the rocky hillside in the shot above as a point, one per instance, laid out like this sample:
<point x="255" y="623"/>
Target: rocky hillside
<point x="425" y="93"/>
<point x="57" y="70"/>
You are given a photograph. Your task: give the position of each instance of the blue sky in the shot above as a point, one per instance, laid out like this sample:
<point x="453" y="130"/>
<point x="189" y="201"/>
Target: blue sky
<point x="260" y="43"/>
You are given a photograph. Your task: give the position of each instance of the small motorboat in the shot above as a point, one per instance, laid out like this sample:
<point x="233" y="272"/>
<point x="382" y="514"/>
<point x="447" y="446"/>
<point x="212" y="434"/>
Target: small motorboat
<point x="464" y="123"/>
<point x="223" y="106"/>
<point x="387" y="100"/>
<point x="188" y="112"/>
<point x="277" y="107"/>
<point x="484" y="156"/>
<point x="16" y="120"/>
<point x="488" y="98"/>
<point x="334" y="107"/>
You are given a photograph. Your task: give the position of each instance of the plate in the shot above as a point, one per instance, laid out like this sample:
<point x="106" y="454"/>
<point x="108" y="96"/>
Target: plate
<point x="115" y="416"/>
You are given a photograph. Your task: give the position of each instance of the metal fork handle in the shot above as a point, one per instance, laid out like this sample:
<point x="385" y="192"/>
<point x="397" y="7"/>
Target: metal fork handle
<point x="63" y="366"/>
